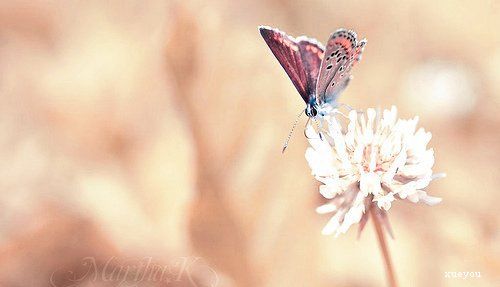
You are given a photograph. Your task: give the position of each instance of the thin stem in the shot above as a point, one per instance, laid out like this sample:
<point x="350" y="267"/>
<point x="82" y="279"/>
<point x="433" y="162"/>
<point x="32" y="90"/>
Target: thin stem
<point x="383" y="247"/>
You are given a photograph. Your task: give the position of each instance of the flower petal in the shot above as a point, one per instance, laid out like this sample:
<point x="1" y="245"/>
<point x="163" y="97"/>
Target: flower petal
<point x="332" y="225"/>
<point x="371" y="160"/>
<point x="329" y="191"/>
<point x="429" y="200"/>
<point x="384" y="202"/>
<point x="369" y="183"/>
<point x="326" y="208"/>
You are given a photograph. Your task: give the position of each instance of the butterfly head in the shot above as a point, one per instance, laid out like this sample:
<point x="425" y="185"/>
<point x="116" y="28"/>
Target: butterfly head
<point x="311" y="109"/>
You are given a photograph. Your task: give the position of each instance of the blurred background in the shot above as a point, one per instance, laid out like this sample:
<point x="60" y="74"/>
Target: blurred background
<point x="134" y="130"/>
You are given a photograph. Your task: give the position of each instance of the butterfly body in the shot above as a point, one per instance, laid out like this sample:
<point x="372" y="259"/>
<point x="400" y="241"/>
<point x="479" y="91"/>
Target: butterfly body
<point x="318" y="73"/>
<point x="312" y="107"/>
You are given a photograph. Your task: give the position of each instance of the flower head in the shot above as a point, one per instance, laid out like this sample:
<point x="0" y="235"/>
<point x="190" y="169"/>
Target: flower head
<point x="369" y="162"/>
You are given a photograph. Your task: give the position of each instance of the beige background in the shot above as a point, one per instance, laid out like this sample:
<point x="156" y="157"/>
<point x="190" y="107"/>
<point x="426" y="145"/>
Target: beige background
<point x="154" y="129"/>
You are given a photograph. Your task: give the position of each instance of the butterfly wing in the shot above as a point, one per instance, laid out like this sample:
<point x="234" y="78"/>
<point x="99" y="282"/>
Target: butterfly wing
<point x="311" y="52"/>
<point x="342" y="51"/>
<point x="300" y="58"/>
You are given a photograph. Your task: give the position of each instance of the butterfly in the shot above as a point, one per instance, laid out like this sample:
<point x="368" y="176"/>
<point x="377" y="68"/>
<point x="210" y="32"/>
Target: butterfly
<point x="319" y="75"/>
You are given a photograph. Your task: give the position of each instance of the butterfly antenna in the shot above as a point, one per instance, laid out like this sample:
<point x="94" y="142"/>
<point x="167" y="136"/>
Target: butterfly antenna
<point x="291" y="132"/>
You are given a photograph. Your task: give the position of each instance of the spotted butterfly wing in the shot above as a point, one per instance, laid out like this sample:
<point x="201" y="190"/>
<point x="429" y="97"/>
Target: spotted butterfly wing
<point x="300" y="58"/>
<point x="342" y="51"/>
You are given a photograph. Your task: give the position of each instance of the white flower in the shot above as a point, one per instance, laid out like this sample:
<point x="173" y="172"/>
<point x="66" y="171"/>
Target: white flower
<point x="369" y="162"/>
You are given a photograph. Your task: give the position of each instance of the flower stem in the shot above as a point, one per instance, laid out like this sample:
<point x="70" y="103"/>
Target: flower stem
<point x="383" y="247"/>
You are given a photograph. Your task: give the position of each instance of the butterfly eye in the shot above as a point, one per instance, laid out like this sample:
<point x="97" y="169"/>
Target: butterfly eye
<point x="329" y="67"/>
<point x="341" y="68"/>
<point x="314" y="112"/>
<point x="333" y="84"/>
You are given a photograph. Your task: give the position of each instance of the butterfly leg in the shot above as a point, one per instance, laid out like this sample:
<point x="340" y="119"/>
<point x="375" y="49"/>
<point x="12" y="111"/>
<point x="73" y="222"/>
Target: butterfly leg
<point x="305" y="128"/>
<point x="319" y="126"/>
<point x="349" y="108"/>
<point x="337" y="112"/>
